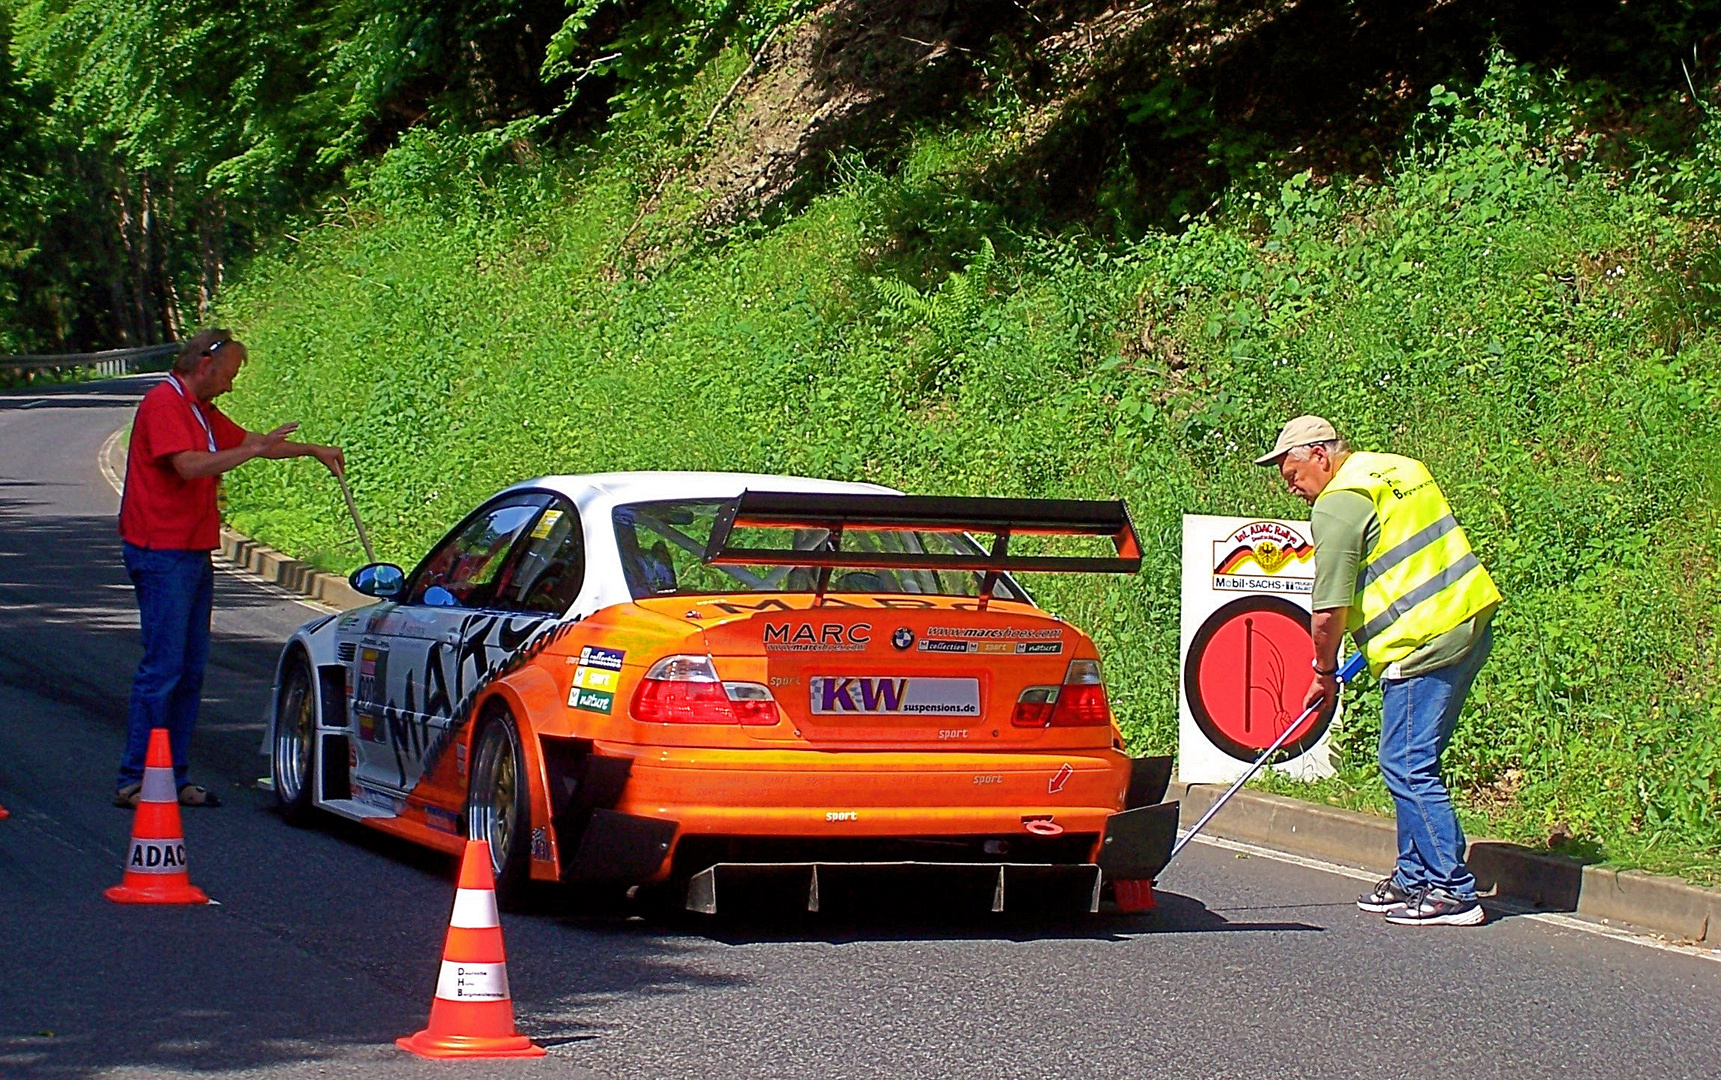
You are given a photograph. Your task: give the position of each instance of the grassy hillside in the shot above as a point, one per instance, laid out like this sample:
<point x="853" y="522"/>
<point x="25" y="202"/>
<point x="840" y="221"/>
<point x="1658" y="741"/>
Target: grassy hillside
<point x="1537" y="326"/>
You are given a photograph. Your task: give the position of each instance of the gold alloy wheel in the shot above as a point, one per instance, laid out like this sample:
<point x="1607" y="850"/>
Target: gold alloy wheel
<point x="493" y="813"/>
<point x="295" y="728"/>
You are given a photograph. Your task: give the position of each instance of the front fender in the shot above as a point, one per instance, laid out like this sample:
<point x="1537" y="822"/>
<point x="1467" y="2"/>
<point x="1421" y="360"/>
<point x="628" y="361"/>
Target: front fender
<point x="529" y="694"/>
<point x="316" y="640"/>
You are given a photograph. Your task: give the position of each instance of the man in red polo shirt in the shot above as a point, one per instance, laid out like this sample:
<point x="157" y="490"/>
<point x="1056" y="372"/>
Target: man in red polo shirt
<point x="180" y="445"/>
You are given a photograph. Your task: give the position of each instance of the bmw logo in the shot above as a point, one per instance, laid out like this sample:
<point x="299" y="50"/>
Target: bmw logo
<point x="903" y="638"/>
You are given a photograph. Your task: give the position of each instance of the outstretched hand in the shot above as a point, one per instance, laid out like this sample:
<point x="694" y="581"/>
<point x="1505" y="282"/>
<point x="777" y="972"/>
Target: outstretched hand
<point x="332" y="457"/>
<point x="278" y="436"/>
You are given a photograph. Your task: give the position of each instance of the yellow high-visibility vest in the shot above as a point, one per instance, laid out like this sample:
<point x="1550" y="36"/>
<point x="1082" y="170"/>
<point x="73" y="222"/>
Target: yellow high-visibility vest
<point x="1422" y="579"/>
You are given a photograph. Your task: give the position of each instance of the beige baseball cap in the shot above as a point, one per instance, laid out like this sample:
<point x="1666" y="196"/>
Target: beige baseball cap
<point x="1299" y="432"/>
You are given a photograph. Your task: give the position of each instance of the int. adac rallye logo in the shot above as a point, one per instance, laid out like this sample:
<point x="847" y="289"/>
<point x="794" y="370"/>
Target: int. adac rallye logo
<point x="903" y="638"/>
<point x="1264" y="555"/>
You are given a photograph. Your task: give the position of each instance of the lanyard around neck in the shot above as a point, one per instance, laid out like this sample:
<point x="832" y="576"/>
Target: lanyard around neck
<point x="173" y="380"/>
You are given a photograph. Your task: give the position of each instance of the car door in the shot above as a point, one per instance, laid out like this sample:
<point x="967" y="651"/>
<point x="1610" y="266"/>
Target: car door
<point x="419" y="662"/>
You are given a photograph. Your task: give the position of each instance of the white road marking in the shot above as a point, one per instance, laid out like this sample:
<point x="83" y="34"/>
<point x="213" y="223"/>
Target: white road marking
<point x="103" y="456"/>
<point x="1510" y="907"/>
<point x="104" y="459"/>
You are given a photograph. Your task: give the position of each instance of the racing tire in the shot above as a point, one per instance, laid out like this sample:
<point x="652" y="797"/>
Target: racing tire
<point x="293" y="758"/>
<point x="497" y="808"/>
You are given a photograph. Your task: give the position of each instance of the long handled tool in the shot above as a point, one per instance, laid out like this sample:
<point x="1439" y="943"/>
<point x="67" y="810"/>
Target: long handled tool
<point x="353" y="509"/>
<point x="1350" y="670"/>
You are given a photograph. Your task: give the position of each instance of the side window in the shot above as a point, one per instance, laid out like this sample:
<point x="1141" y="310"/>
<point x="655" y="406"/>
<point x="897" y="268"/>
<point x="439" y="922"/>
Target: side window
<point x="462" y="571"/>
<point x="550" y="566"/>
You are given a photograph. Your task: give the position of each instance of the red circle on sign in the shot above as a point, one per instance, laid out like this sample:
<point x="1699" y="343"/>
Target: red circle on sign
<point x="1246" y="673"/>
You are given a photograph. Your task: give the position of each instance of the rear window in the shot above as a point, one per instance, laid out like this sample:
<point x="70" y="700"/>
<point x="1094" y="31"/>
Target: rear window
<point x="662" y="547"/>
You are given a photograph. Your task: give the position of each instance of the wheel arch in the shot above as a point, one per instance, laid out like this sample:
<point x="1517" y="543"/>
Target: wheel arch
<point x="524" y="694"/>
<point x="316" y="643"/>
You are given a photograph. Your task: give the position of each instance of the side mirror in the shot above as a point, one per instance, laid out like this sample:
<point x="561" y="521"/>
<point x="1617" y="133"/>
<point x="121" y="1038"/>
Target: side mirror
<point x="381" y="580"/>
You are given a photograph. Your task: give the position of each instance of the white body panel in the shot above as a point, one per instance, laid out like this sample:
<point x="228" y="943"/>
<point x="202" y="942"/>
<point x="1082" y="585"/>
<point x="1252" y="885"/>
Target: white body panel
<point x="594" y="496"/>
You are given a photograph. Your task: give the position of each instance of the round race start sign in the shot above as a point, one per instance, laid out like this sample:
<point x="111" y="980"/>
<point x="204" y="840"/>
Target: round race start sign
<point x="1247" y="670"/>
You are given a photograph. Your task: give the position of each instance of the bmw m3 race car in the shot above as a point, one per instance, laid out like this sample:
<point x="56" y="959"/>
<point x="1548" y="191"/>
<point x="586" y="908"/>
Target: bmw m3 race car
<point x="739" y="688"/>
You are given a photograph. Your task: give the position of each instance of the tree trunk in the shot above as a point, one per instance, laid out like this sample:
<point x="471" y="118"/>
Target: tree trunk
<point x="132" y="244"/>
<point x="170" y="307"/>
<point x="146" y="223"/>
<point x="99" y="179"/>
<point x="211" y="227"/>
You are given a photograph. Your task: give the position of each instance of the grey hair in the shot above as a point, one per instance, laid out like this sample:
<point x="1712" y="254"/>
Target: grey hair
<point x="1331" y="446"/>
<point x="201" y="344"/>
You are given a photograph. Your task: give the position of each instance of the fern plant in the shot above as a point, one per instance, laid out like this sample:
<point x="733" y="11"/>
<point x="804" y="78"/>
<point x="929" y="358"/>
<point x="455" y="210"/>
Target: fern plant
<point x="946" y="318"/>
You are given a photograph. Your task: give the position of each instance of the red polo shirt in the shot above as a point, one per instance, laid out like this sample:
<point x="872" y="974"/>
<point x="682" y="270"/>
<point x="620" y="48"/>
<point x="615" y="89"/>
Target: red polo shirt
<point x="160" y="509"/>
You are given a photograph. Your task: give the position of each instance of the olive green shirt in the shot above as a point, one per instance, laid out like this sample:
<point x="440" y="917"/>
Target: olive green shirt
<point x="1345" y="530"/>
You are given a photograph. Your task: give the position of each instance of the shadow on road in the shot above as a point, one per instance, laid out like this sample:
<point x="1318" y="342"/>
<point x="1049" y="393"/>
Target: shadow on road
<point x="1176" y="914"/>
<point x="68" y="624"/>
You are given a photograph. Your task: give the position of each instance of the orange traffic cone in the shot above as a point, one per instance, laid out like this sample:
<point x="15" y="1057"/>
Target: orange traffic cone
<point x="1134" y="895"/>
<point x="155" y="867"/>
<point x="4" y="813"/>
<point x="472" y="1015"/>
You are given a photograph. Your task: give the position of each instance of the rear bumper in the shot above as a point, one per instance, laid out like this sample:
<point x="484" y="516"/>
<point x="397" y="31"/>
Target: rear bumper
<point x="858" y="806"/>
<point x="687" y="810"/>
<point x="857" y="793"/>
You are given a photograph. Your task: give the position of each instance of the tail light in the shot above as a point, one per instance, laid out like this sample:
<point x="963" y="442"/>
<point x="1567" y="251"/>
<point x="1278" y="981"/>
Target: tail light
<point x="1034" y="707"/>
<point x="1079" y="702"/>
<point x="686" y="690"/>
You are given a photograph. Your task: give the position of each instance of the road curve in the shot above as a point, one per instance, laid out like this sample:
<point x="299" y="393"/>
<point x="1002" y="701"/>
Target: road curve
<point x="324" y="946"/>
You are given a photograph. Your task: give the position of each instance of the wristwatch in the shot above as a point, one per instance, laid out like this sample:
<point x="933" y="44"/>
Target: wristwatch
<point x="1319" y="670"/>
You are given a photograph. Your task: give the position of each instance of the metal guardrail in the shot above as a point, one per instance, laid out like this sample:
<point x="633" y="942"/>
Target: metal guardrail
<point x="106" y="362"/>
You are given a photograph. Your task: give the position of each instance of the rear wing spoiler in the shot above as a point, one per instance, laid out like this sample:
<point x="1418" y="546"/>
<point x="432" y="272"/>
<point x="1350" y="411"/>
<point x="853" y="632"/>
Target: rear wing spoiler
<point x="1003" y="518"/>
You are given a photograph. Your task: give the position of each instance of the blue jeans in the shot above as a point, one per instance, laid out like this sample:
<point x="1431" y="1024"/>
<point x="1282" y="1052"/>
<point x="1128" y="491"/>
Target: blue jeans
<point x="1418" y="715"/>
<point x="175" y="590"/>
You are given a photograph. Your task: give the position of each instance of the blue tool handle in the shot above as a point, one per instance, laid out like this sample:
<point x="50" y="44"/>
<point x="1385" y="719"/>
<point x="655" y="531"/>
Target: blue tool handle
<point x="1351" y="668"/>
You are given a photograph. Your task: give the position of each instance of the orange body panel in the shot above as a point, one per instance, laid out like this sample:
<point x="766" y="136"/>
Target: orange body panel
<point x="812" y="774"/>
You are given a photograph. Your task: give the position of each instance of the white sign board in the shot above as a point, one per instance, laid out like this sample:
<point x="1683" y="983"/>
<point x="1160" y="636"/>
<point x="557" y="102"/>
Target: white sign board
<point x="1245" y="649"/>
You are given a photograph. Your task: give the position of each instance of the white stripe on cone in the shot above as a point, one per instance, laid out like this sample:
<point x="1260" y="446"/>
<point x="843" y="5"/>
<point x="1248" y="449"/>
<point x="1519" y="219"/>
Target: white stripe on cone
<point x="472" y="982"/>
<point x="158" y="786"/>
<point x="474" y="909"/>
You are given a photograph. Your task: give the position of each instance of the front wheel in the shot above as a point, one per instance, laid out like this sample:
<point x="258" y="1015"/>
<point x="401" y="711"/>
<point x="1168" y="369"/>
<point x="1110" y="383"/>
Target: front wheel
<point x="496" y="807"/>
<point x="292" y="765"/>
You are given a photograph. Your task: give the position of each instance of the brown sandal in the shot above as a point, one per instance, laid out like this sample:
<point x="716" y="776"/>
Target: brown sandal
<point x="126" y="797"/>
<point x="196" y="795"/>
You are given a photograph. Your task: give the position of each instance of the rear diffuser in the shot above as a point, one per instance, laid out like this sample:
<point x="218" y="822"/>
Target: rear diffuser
<point x="871" y="887"/>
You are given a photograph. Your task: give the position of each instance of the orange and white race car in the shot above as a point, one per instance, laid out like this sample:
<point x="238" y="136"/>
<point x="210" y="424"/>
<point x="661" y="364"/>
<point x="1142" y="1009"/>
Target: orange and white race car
<point x="742" y="688"/>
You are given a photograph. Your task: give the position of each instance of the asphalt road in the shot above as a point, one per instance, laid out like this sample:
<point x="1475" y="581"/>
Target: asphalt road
<point x="325" y="943"/>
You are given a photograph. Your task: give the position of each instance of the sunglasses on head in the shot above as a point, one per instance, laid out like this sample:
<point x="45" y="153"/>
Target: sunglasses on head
<point x="216" y="346"/>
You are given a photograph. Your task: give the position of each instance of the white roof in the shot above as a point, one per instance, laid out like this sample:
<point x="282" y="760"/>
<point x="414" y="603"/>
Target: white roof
<point x="625" y="487"/>
<point x="595" y="495"/>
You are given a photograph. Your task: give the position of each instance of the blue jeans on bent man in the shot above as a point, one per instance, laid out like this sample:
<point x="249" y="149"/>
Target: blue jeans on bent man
<point x="175" y="590"/>
<point x="1418" y="715"/>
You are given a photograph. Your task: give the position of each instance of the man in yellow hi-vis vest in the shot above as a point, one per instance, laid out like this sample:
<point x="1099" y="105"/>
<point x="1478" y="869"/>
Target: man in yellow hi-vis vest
<point x="1393" y="567"/>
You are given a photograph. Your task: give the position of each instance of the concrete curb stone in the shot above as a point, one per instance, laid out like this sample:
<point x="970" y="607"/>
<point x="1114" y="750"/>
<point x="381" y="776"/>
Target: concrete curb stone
<point x="289" y="573"/>
<point x="1656" y="902"/>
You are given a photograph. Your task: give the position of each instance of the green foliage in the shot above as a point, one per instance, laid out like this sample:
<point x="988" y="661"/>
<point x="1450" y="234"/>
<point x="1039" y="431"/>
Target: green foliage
<point x="1505" y="309"/>
<point x="952" y="315"/>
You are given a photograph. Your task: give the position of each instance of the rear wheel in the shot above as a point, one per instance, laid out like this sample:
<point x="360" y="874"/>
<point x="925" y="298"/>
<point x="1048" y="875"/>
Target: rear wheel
<point x="293" y="761"/>
<point x="496" y="807"/>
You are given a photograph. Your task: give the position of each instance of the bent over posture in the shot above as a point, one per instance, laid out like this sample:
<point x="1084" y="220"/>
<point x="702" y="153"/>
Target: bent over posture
<point x="1393" y="567"/>
<point x="169" y="522"/>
